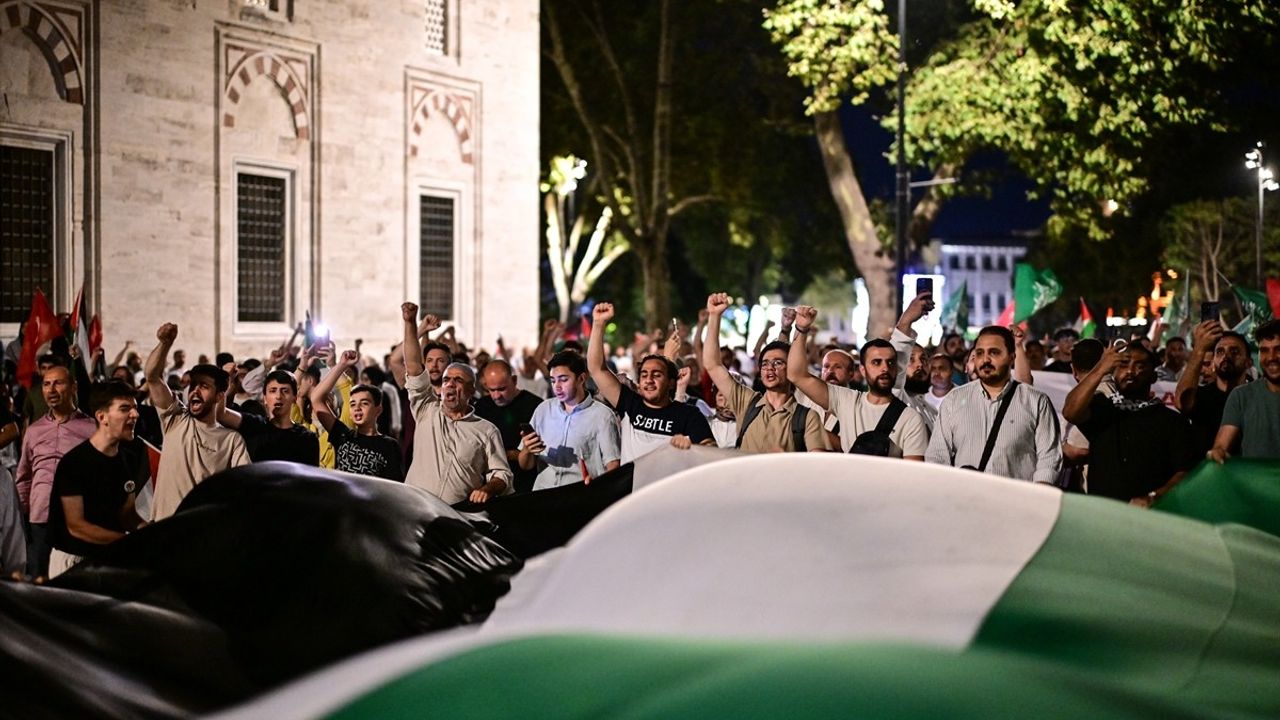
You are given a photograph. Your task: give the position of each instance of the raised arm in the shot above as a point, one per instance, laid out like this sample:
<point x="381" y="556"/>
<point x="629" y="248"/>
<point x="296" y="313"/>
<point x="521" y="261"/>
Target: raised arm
<point x="717" y="303"/>
<point x="1076" y="407"/>
<point x="788" y="320"/>
<point x="1021" y="363"/>
<point x="606" y="381"/>
<point x="412" y="347"/>
<point x="161" y="395"/>
<point x="1203" y="339"/>
<point x="320" y="409"/>
<point x="798" y="360"/>
<point x="119" y="356"/>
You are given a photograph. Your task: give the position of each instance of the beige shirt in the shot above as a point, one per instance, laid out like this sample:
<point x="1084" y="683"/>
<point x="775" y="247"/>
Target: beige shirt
<point x="858" y="415"/>
<point x="772" y="428"/>
<point x="452" y="457"/>
<point x="192" y="452"/>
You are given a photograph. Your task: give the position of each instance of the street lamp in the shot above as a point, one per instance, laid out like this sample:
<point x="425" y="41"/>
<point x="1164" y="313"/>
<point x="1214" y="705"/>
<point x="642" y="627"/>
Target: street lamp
<point x="1253" y="160"/>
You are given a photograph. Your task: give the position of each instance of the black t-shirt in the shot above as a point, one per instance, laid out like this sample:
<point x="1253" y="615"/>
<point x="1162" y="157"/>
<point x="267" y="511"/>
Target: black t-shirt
<point x="645" y="428"/>
<point x="508" y="419"/>
<point x="1206" y="415"/>
<point x="104" y="481"/>
<point x="373" y="455"/>
<point x="1132" y="452"/>
<point x="265" y="441"/>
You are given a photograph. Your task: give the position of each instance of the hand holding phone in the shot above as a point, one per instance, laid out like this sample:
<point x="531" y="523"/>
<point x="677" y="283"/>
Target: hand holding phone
<point x="924" y="285"/>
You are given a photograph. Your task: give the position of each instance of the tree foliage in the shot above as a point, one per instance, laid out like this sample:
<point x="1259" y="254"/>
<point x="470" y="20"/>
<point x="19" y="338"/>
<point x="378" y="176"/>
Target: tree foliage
<point x="1216" y="240"/>
<point x="574" y="272"/>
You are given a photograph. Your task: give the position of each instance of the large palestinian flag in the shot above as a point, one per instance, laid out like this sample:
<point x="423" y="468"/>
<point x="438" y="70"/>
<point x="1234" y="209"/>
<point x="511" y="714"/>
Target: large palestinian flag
<point x="820" y="586"/>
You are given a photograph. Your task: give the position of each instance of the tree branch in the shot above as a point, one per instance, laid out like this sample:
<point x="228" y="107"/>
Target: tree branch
<point x="660" y="218"/>
<point x="596" y="27"/>
<point x="690" y="201"/>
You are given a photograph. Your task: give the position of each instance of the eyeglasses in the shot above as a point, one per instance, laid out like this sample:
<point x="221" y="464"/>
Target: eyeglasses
<point x="773" y="364"/>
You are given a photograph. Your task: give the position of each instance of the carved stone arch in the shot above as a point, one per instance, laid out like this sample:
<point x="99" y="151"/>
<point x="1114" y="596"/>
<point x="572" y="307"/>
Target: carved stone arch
<point x="266" y="64"/>
<point x="59" y="46"/>
<point x="451" y="107"/>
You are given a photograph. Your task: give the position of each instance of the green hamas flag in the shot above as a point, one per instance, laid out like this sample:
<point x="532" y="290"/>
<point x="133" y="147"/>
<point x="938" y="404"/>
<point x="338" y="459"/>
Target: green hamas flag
<point x="1033" y="290"/>
<point x="955" y="313"/>
<point x="1178" y="314"/>
<point x="1257" y="310"/>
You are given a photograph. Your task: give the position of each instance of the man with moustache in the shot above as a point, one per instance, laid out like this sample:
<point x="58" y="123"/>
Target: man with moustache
<point x="1228" y="357"/>
<point x="1026" y="443"/>
<point x="859" y="412"/>
<point x="195" y="444"/>
<point x="650" y="417"/>
<point x="46" y="441"/>
<point x="508" y="407"/>
<point x="98" y="480"/>
<point x="365" y="450"/>
<point x="574" y="438"/>
<point x="277" y="437"/>
<point x="768" y="421"/>
<point x="940" y="380"/>
<point x="1251" y="418"/>
<point x="457" y="455"/>
<point x="1138" y="448"/>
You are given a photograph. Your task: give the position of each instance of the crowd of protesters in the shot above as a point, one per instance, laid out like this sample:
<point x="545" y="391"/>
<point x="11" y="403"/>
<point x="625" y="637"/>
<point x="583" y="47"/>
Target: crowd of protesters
<point x="76" y="472"/>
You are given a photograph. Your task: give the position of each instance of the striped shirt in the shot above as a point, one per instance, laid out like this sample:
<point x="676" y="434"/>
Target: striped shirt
<point x="1028" y="446"/>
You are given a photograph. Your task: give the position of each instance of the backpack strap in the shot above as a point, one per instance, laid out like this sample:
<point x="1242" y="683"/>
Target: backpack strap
<point x="995" y="426"/>
<point x="797" y="428"/>
<point x="753" y="411"/>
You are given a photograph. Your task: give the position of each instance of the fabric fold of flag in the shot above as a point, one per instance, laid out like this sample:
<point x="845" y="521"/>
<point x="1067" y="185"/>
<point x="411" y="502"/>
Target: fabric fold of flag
<point x="1033" y="290"/>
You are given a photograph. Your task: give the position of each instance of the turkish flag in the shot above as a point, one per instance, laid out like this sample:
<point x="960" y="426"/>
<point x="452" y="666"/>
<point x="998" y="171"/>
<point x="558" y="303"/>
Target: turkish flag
<point x="42" y="326"/>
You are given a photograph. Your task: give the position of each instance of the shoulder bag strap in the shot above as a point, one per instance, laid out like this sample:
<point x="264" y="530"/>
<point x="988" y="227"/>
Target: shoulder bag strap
<point x="752" y="411"/>
<point x="995" y="427"/>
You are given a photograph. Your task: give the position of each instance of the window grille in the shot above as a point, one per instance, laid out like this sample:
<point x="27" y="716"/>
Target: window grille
<point x="260" y="247"/>
<point x="971" y="263"/>
<point x="437" y="26"/>
<point x="436" y="241"/>
<point x="26" y="229"/>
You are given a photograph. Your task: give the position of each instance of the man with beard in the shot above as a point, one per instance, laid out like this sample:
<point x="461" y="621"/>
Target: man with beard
<point x="1175" y="359"/>
<point x="364" y="450"/>
<point x="772" y="420"/>
<point x="195" y="445"/>
<point x="650" y="417"/>
<point x="508" y="407"/>
<point x="953" y="347"/>
<point x="583" y="432"/>
<point x="98" y="480"/>
<point x="940" y="380"/>
<point x="860" y="412"/>
<point x="1228" y="357"/>
<point x="914" y="383"/>
<point x="278" y="437"/>
<point x="46" y="441"/>
<point x="1138" y="448"/>
<point x="1034" y="350"/>
<point x="1024" y="445"/>
<point x="456" y="455"/>
<point x="1251" y="418"/>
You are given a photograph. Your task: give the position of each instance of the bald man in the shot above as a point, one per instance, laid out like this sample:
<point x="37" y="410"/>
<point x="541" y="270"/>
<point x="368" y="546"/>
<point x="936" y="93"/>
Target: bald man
<point x="508" y="407"/>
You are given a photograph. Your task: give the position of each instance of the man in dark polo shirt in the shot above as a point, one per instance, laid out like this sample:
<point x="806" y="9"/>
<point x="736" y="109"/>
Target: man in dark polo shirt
<point x="508" y="407"/>
<point x="276" y="437"/>
<point x="1203" y="404"/>
<point x="1138" y="447"/>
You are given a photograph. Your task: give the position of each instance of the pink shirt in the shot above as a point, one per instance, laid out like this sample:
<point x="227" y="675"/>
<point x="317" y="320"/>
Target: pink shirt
<point x="43" y="445"/>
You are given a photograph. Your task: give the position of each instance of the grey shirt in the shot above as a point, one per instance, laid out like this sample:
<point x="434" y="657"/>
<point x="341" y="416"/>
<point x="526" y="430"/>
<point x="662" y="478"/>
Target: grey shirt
<point x="586" y="433"/>
<point x="1254" y="409"/>
<point x="1027" y="447"/>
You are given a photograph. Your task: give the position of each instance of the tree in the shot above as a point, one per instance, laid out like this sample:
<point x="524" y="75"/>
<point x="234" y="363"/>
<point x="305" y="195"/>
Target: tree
<point x="572" y="273"/>
<point x="635" y="167"/>
<point x="1074" y="94"/>
<point x="1214" y="239"/>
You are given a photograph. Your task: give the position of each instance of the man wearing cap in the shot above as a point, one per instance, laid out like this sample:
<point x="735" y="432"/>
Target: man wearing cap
<point x="195" y="445"/>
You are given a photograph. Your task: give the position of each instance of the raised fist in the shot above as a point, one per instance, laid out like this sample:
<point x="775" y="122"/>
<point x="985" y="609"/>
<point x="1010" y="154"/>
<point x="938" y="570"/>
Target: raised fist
<point x="602" y="312"/>
<point x="430" y="323"/>
<point x="349" y="358"/>
<point x="1019" y="334"/>
<point x="788" y="316"/>
<point x="805" y="315"/>
<point x="167" y="333"/>
<point x="409" y="311"/>
<point x="683" y="376"/>
<point x="717" y="303"/>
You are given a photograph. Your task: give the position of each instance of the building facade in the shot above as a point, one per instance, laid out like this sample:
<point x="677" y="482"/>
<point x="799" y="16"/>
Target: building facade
<point x="987" y="266"/>
<point x="230" y="165"/>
